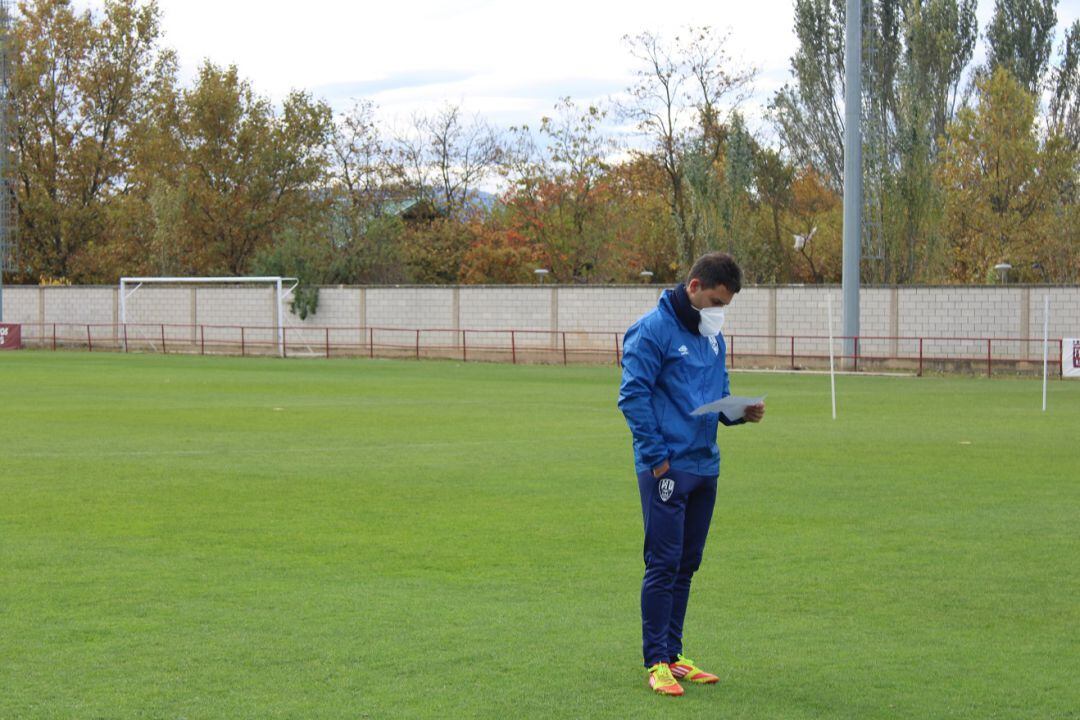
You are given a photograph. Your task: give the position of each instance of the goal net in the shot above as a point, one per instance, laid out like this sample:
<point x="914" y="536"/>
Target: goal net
<point x="204" y="314"/>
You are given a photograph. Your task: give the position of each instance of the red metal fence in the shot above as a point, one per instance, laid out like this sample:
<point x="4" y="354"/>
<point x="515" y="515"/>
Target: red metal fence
<point x="905" y="354"/>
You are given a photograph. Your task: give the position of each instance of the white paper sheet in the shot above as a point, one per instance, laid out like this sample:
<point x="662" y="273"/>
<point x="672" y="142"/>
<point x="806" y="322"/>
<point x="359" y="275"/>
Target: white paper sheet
<point x="733" y="406"/>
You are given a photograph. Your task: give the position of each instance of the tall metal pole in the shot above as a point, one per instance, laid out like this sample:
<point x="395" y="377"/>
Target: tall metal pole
<point x="280" y="320"/>
<point x="7" y="234"/>
<point x="1046" y="343"/>
<point x="853" y="194"/>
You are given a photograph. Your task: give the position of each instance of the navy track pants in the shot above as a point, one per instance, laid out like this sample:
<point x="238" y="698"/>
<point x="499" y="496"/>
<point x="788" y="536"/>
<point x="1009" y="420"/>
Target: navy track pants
<point x="677" y="509"/>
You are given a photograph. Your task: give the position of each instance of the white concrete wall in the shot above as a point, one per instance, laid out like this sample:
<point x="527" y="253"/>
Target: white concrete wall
<point x="544" y="313"/>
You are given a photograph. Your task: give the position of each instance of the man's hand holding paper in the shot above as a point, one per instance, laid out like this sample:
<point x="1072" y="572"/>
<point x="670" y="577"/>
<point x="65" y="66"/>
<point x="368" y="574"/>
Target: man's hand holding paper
<point x="735" y="407"/>
<point x="755" y="412"/>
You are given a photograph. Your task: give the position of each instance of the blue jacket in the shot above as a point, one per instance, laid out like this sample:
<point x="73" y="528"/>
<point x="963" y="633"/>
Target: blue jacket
<point x="667" y="372"/>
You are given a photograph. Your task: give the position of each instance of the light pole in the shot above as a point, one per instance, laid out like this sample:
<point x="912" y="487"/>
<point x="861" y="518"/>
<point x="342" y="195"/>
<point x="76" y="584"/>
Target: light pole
<point x="853" y="191"/>
<point x="541" y="273"/>
<point x="646" y="276"/>
<point x="1003" y="272"/>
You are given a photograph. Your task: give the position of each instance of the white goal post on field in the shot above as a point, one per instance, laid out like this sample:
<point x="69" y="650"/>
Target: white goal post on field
<point x="283" y="287"/>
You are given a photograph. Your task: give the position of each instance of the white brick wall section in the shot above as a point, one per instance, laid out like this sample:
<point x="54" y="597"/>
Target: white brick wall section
<point x="79" y="305"/>
<point x="21" y="304"/>
<point x="948" y="312"/>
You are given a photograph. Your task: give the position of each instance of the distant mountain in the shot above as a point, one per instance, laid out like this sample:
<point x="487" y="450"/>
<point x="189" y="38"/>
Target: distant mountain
<point x="484" y="199"/>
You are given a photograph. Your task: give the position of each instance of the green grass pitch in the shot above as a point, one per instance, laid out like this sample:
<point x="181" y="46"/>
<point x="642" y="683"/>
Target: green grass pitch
<point x="186" y="537"/>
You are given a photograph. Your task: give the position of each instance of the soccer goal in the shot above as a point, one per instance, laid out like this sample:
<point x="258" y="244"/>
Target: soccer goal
<point x="179" y="312"/>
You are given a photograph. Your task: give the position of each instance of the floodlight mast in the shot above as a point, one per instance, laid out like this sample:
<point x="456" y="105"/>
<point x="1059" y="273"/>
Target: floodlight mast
<point x="853" y="193"/>
<point x="8" y="259"/>
<point x="275" y="279"/>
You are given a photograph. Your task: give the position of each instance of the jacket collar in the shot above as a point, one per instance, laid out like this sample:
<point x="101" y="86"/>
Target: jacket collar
<point x="687" y="314"/>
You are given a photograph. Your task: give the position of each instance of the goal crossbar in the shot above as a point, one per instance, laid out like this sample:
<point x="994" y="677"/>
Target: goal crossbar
<point x="281" y="292"/>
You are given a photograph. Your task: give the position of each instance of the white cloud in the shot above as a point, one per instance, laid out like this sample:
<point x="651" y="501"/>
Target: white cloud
<point x="511" y="60"/>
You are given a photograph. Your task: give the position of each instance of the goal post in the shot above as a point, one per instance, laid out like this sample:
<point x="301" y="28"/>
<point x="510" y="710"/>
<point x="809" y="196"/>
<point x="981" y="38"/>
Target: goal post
<point x="283" y="287"/>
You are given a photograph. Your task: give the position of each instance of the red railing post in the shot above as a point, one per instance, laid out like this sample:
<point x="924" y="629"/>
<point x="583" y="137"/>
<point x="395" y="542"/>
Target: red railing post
<point x="989" y="360"/>
<point x="792" y="352"/>
<point x="164" y="350"/>
<point x="856" y="362"/>
<point x="513" y="349"/>
<point x="202" y="339"/>
<point x="618" y="353"/>
<point x="732" y="353"/>
<point x="464" y="351"/>
<point x="328" y="343"/>
<point x="417" y="344"/>
<point x="920" y="357"/>
<point x="284" y="342"/>
<point x="125" y="338"/>
<point x="564" y="347"/>
<point x="1061" y="358"/>
<point x="54" y="336"/>
<point x="89" y="340"/>
<point x="371" y="342"/>
<point x="243" y="350"/>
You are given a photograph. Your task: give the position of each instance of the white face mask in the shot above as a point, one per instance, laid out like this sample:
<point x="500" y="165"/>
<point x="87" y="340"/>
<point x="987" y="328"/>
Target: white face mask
<point x="712" y="320"/>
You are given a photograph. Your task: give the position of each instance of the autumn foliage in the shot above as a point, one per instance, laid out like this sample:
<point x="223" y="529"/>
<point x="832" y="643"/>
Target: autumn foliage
<point x="120" y="169"/>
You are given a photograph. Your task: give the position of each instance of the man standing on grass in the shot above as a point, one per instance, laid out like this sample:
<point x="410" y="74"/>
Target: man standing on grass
<point x="673" y="362"/>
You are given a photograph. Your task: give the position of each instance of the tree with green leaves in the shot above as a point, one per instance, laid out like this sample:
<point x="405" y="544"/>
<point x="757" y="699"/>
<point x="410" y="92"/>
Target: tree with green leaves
<point x="738" y="184"/>
<point x="366" y="185"/>
<point x="677" y="101"/>
<point x="556" y="200"/>
<point x="774" y="179"/>
<point x="927" y="97"/>
<point x="809" y="113"/>
<point x="1020" y="39"/>
<point x="83" y="86"/>
<point x="364" y="169"/>
<point x="1002" y="185"/>
<point x="939" y="40"/>
<point x="248" y="171"/>
<point x="1064" y="115"/>
<point x="915" y="56"/>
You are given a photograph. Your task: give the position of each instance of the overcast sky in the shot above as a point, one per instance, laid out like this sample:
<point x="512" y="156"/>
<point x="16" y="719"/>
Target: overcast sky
<point x="509" y="61"/>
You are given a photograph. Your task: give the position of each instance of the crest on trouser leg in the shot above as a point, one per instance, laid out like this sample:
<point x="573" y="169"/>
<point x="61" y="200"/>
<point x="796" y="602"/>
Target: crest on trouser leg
<point x="667" y="486"/>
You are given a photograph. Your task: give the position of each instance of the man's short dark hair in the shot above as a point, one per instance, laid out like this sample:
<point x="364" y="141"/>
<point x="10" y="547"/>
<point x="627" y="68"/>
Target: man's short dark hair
<point x="717" y="268"/>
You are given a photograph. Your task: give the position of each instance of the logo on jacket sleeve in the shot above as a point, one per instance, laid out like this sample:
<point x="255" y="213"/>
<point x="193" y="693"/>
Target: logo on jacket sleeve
<point x="683" y="350"/>
<point x="667" y="486"/>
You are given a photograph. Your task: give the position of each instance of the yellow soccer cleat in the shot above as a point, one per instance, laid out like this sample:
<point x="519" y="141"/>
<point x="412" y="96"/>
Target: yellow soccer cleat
<point x="662" y="682"/>
<point x="685" y="669"/>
